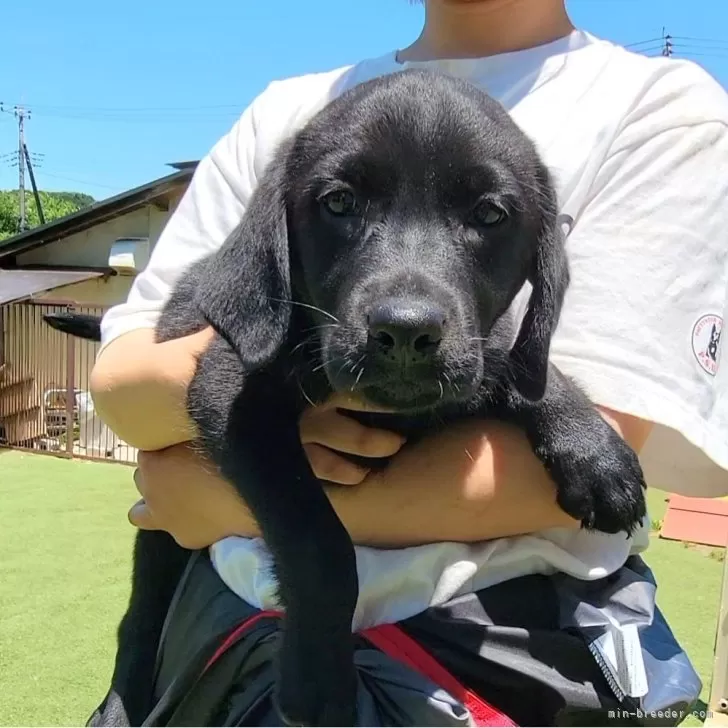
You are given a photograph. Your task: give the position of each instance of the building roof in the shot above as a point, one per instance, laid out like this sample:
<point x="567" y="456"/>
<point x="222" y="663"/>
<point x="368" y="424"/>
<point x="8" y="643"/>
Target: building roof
<point x="17" y="285"/>
<point x="184" y="165"/>
<point x="155" y="191"/>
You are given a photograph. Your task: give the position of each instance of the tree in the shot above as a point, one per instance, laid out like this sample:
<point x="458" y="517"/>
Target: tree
<point x="55" y="205"/>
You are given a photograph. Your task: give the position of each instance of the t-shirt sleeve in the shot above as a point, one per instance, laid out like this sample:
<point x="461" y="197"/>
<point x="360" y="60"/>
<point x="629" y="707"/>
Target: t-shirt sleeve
<point x="641" y="325"/>
<point x="211" y="207"/>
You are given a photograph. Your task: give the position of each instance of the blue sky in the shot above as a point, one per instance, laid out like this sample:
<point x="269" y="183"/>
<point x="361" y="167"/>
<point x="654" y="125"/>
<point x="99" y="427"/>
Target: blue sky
<point x="119" y="89"/>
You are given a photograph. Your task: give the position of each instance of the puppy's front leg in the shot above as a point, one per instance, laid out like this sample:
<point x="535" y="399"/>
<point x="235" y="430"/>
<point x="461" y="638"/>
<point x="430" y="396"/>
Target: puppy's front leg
<point x="249" y="426"/>
<point x="597" y="474"/>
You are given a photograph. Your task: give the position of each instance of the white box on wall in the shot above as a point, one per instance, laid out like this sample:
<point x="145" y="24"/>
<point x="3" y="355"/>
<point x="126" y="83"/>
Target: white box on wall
<point x="129" y="256"/>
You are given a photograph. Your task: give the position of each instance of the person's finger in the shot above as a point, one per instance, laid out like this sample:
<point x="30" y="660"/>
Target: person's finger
<point x="140" y="516"/>
<point x="138" y="481"/>
<point x="327" y="465"/>
<point x="342" y="433"/>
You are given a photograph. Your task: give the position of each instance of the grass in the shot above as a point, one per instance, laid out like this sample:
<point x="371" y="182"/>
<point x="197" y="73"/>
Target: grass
<point x="66" y="548"/>
<point x="688" y="593"/>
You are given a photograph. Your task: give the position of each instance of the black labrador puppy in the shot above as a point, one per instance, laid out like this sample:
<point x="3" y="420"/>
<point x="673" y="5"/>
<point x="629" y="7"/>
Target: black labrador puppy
<point x="380" y="254"/>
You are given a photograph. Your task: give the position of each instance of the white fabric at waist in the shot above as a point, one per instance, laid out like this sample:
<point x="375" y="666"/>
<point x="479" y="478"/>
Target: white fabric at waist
<point x="399" y="583"/>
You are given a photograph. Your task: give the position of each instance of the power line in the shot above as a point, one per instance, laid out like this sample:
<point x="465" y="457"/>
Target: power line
<point x="702" y="40"/>
<point x="139" y="109"/>
<point x="145" y="119"/>
<point x="672" y="46"/>
<point x="684" y="46"/>
<point x="641" y="42"/>
<point x="79" y="181"/>
<point x="141" y="115"/>
<point x="651" y="49"/>
<point x="692" y="54"/>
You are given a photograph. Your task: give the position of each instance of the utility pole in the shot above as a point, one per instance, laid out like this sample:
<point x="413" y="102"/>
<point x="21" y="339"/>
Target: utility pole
<point x="20" y="115"/>
<point x="23" y="157"/>
<point x="667" y="44"/>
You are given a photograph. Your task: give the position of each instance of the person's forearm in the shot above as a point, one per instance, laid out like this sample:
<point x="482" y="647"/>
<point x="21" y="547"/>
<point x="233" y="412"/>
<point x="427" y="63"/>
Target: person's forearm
<point x="139" y="388"/>
<point x="475" y="482"/>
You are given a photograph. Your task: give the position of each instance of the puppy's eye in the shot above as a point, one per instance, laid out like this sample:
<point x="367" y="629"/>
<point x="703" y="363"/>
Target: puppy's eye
<point x="341" y="203"/>
<point x="488" y="214"/>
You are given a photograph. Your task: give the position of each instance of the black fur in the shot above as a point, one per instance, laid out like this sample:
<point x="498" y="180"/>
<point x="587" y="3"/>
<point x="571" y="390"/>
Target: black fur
<point x="380" y="253"/>
<point x="83" y="325"/>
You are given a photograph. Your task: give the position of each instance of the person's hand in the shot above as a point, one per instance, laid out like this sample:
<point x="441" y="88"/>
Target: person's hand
<point x="326" y="432"/>
<point x="183" y="494"/>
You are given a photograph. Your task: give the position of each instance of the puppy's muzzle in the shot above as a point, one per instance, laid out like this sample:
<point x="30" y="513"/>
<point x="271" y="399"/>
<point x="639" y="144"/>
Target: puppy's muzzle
<point x="404" y="332"/>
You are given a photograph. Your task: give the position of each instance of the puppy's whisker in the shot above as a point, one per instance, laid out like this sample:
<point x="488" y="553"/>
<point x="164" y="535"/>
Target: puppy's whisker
<point x="305" y="342"/>
<point x="306" y="305"/>
<point x="357" y="362"/>
<point x="346" y="361"/>
<point x="324" y="363"/>
<point x="322" y="326"/>
<point x="303" y="392"/>
<point x="358" y="377"/>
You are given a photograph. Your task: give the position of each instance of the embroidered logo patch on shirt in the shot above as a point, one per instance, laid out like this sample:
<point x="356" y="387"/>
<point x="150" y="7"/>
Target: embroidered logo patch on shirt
<point x="706" y="341"/>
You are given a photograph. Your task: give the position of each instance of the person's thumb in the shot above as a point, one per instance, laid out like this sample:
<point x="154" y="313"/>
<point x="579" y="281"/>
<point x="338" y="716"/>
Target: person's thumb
<point x="141" y="517"/>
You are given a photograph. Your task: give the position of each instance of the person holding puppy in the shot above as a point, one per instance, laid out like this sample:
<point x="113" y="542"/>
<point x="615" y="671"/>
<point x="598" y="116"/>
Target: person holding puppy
<point x="636" y="146"/>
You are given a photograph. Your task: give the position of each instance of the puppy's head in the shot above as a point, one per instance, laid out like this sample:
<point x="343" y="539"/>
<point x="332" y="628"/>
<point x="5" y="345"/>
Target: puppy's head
<point x="411" y="210"/>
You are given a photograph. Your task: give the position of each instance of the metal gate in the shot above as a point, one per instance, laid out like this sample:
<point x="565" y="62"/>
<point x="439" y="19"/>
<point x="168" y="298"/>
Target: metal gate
<point x="45" y="404"/>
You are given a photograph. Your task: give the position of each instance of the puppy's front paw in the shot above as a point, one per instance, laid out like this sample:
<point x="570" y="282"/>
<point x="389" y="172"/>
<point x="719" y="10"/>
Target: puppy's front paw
<point x="599" y="478"/>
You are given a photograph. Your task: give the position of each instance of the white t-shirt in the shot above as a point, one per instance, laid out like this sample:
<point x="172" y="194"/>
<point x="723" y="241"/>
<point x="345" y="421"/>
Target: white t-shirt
<point x="639" y="150"/>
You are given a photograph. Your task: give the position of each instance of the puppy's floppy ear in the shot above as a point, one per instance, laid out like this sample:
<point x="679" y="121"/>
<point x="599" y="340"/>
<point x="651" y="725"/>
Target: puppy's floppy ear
<point x="549" y="277"/>
<point x="245" y="290"/>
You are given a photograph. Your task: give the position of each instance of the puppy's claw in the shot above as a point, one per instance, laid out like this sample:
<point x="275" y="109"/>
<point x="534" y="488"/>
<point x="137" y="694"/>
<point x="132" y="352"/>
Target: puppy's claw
<point x="601" y="484"/>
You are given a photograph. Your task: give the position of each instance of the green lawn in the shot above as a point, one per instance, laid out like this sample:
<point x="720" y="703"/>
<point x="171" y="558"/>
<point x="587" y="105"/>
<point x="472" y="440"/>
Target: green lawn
<point x="64" y="580"/>
<point x="64" y="569"/>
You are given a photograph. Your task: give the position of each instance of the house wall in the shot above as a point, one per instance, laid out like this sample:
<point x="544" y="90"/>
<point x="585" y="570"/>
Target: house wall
<point x="95" y="292"/>
<point x="33" y="384"/>
<point x="91" y="248"/>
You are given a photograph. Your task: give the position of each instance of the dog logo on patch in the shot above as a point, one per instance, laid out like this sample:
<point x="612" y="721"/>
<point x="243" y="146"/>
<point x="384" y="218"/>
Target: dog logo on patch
<point x="706" y="341"/>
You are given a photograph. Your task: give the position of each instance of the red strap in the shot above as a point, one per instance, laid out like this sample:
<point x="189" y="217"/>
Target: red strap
<point x="232" y="638"/>
<point x="396" y="643"/>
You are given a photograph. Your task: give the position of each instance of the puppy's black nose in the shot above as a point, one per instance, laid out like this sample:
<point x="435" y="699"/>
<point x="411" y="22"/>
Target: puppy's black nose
<point x="405" y="330"/>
